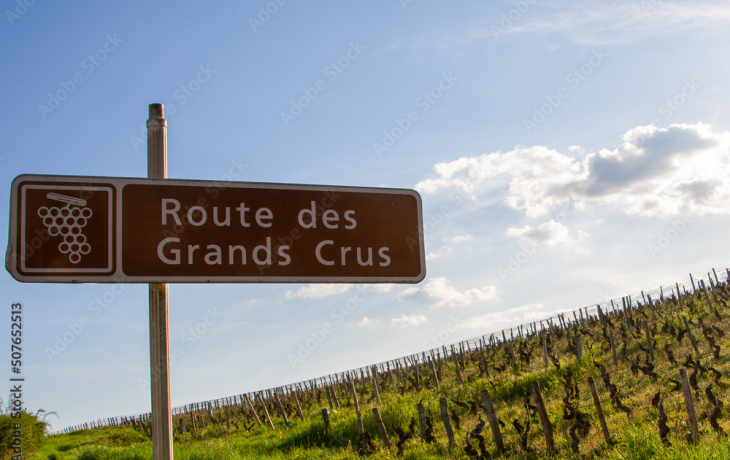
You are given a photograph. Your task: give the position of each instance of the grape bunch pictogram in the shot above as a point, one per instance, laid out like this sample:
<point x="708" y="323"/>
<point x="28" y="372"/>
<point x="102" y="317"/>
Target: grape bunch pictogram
<point x="67" y="221"/>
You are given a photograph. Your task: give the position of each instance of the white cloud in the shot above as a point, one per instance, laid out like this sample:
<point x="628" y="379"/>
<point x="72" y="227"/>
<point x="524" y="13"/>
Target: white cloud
<point x="654" y="172"/>
<point x="549" y="233"/>
<point x="318" y="291"/>
<point x="446" y="249"/>
<point x="459" y="239"/>
<point x="439" y="292"/>
<point x="407" y="321"/>
<point x="366" y="322"/>
<point x="603" y="23"/>
<point x="382" y="287"/>
<point x="532" y="171"/>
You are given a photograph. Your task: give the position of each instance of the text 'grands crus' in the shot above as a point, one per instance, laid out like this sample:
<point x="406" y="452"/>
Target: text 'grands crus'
<point x="171" y="252"/>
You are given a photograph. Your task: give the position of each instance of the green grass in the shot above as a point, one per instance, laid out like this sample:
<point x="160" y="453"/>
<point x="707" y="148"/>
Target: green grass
<point x="635" y="437"/>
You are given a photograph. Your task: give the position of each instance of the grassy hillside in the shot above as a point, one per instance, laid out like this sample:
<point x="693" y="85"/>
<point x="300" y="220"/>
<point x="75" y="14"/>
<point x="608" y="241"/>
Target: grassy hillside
<point x="632" y="409"/>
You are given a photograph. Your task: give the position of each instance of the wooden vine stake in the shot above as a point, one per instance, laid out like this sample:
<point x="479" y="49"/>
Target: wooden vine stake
<point x="484" y="362"/>
<point x="601" y="315"/>
<point x="422" y="420"/>
<point x="357" y="408"/>
<point x="544" y="350"/>
<point x="376" y="387"/>
<point x="435" y="374"/>
<point x="578" y="348"/>
<point x="679" y="297"/>
<point x="456" y="364"/>
<point x="250" y="407"/>
<point x="613" y="345"/>
<point x="299" y="408"/>
<point x="599" y="411"/>
<point x="266" y="411"/>
<point x="381" y="427"/>
<point x="326" y="418"/>
<point x="492" y="418"/>
<point x="210" y="413"/>
<point x="547" y="427"/>
<point x="689" y="402"/>
<point x="653" y="313"/>
<point x="329" y="398"/>
<point x="334" y="397"/>
<point x="281" y="408"/>
<point x="444" y="406"/>
<point x="707" y="296"/>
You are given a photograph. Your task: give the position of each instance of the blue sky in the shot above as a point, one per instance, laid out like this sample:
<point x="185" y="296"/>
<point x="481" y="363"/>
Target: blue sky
<point x="567" y="153"/>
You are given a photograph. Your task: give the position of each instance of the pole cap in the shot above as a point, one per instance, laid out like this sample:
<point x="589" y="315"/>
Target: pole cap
<point x="157" y="111"/>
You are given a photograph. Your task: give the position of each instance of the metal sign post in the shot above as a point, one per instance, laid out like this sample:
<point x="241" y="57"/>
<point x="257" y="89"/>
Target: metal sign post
<point x="159" y="307"/>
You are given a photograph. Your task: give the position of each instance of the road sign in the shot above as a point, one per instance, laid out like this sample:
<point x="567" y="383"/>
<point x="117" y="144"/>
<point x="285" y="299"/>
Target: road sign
<point x="123" y="230"/>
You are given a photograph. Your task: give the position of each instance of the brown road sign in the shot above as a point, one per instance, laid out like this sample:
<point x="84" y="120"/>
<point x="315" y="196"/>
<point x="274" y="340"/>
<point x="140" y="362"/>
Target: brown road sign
<point x="120" y="230"/>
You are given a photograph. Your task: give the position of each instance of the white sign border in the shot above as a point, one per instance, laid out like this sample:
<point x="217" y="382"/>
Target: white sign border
<point x="109" y="259"/>
<point x="118" y="277"/>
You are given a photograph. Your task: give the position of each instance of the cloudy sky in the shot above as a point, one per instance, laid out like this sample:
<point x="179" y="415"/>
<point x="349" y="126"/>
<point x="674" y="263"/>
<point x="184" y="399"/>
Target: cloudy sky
<point x="566" y="153"/>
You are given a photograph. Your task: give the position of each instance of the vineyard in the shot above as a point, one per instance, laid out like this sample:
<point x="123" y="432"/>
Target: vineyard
<point x="637" y="378"/>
